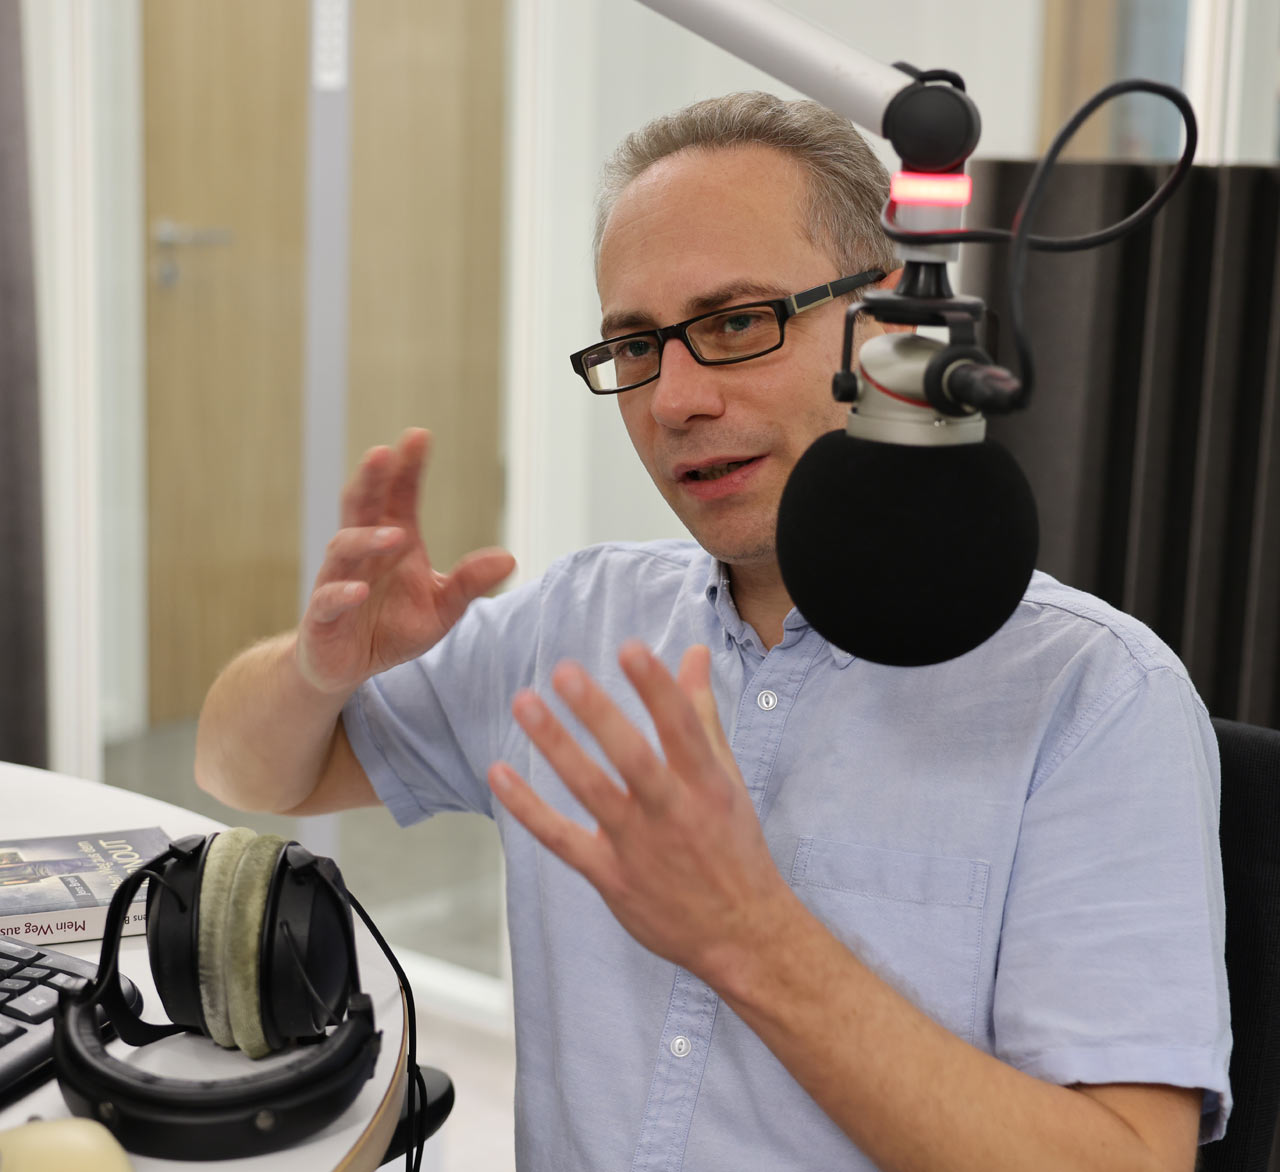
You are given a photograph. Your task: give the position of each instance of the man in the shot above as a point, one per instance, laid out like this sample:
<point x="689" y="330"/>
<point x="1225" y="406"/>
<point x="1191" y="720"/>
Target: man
<point x="959" y="917"/>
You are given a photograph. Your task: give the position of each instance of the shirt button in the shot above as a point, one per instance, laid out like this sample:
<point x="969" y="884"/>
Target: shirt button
<point x="680" y="1046"/>
<point x="767" y="700"/>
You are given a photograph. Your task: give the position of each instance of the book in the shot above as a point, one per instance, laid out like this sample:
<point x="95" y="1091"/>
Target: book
<point x="57" y="889"/>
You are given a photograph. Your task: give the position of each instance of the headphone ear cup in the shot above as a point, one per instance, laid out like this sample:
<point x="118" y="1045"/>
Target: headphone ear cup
<point x="247" y="902"/>
<point x="309" y="950"/>
<point x="215" y="910"/>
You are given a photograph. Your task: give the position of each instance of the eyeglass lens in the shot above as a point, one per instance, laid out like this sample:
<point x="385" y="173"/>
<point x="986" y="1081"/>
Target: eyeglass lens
<point x="734" y="334"/>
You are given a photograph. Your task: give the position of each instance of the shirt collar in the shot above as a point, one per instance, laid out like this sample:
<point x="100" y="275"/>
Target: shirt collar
<point x="736" y="630"/>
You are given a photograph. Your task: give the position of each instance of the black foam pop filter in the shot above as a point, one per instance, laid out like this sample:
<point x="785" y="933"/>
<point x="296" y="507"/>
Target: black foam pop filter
<point x="906" y="555"/>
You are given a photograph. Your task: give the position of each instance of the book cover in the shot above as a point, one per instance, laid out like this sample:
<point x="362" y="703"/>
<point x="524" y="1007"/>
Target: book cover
<point x="58" y="888"/>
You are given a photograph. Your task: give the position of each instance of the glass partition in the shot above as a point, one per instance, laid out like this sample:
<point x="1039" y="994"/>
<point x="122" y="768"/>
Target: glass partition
<point x="211" y="271"/>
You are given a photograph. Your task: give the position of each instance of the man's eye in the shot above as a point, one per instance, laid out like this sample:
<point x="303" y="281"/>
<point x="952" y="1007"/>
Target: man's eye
<point x="632" y="349"/>
<point x="741" y="323"/>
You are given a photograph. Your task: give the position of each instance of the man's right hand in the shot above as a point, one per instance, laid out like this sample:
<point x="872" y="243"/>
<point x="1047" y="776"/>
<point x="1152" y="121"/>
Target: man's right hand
<point x="377" y="601"/>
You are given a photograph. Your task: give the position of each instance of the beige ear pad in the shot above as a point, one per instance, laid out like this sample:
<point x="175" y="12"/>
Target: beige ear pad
<point x="248" y="903"/>
<point x="211" y="928"/>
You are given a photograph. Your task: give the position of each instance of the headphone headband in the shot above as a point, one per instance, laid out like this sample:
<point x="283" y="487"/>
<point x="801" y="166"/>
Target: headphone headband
<point x="207" y="1119"/>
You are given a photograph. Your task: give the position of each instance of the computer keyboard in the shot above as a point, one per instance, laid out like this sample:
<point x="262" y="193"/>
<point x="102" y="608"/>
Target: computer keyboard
<point x="30" y="979"/>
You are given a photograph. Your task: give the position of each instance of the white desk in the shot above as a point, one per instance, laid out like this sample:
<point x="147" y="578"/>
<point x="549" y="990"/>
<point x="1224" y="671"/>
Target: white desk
<point x="35" y="803"/>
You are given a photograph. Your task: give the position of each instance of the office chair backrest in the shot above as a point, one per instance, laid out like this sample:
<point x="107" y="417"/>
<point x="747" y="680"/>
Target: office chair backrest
<point x="1250" y="837"/>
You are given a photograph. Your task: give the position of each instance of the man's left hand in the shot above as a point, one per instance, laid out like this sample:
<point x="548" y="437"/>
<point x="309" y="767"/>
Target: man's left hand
<point x="678" y="853"/>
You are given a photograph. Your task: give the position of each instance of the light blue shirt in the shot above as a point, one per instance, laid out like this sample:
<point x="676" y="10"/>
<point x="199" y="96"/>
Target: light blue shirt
<point x="1023" y="841"/>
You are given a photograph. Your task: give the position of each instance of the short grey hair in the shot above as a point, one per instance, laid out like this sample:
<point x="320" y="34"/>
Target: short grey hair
<point x="848" y="185"/>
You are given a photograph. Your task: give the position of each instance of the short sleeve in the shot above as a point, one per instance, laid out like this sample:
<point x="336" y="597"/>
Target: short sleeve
<point x="1111" y="964"/>
<point x="427" y="730"/>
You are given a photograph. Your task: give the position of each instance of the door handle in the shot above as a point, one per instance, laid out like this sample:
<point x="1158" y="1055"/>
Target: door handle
<point x="167" y="233"/>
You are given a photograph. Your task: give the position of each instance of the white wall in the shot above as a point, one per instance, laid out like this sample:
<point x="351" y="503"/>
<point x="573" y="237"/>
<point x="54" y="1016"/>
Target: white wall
<point x="60" y="78"/>
<point x="584" y="73"/>
<point x="83" y="82"/>
<point x="122" y="442"/>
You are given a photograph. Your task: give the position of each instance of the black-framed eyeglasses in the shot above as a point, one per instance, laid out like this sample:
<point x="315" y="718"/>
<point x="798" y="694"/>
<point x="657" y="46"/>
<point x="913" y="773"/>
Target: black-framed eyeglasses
<point x="736" y="333"/>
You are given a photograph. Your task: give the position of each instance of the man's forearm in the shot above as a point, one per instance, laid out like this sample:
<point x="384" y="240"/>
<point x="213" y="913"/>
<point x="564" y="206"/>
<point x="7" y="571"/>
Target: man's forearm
<point x="265" y="734"/>
<point x="909" y="1093"/>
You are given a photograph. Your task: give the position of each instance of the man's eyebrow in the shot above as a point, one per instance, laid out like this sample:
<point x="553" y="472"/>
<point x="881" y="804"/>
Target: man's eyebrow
<point x="627" y="321"/>
<point x="734" y="291"/>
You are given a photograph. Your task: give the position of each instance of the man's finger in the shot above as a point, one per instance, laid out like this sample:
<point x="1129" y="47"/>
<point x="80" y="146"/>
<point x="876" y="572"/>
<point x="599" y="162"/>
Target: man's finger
<point x="364" y="498"/>
<point x="412" y="454"/>
<point x="643" y="771"/>
<point x="563" y="837"/>
<point x="599" y="794"/>
<point x="476" y="574"/>
<point x="349" y="551"/>
<point x="332" y="600"/>
<point x="694" y="679"/>
<point x="679" y="727"/>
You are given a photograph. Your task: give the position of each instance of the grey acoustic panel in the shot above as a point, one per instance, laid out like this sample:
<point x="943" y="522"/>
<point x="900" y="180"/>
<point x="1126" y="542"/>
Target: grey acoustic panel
<point x="1206" y="621"/>
<point x="1153" y="435"/>
<point x="1168" y="388"/>
<point x="1260" y="637"/>
<point x="1080" y="311"/>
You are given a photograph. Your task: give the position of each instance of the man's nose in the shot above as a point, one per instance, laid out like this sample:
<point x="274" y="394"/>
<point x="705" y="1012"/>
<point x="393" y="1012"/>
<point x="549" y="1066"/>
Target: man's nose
<point x="685" y="389"/>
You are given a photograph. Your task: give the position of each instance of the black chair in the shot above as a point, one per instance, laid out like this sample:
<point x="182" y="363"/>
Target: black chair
<point x="1250" y="835"/>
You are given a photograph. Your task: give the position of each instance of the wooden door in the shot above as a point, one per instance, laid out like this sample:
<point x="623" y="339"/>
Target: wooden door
<point x="225" y="96"/>
<point x="225" y="109"/>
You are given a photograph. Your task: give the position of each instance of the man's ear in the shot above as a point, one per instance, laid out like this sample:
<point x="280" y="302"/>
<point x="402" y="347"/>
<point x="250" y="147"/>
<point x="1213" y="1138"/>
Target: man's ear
<point x="891" y="282"/>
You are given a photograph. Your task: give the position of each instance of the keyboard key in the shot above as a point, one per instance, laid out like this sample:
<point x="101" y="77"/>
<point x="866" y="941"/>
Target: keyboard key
<point x="35" y="1006"/>
<point x="31" y="973"/>
<point x="17" y="951"/>
<point x="13" y="985"/>
<point x="63" y="963"/>
<point x="27" y="1017"/>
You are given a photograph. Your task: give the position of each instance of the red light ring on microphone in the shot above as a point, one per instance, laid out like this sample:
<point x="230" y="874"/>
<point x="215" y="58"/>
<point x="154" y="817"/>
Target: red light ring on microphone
<point x="915" y="187"/>
<point x="910" y="402"/>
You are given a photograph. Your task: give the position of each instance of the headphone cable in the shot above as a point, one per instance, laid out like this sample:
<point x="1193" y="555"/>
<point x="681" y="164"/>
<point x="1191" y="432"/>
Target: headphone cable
<point x="330" y="1014"/>
<point x="417" y="1088"/>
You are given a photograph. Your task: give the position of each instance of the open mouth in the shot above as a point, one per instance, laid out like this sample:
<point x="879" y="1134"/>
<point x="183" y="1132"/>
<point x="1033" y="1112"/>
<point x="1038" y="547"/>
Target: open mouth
<point x="715" y="471"/>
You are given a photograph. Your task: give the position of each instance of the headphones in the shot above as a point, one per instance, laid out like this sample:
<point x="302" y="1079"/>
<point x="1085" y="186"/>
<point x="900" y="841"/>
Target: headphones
<point x="251" y="943"/>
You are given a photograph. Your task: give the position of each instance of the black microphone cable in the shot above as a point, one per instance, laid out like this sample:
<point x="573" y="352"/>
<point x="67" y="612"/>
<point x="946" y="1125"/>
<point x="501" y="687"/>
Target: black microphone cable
<point x="1021" y="236"/>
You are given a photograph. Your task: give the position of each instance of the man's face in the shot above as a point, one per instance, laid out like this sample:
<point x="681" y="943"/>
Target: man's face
<point x="698" y="231"/>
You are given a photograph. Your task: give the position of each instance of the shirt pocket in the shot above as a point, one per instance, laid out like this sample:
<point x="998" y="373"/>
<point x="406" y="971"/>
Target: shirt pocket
<point x="915" y="920"/>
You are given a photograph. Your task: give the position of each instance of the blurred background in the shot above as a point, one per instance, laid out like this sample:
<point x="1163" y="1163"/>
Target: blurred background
<point x="241" y="242"/>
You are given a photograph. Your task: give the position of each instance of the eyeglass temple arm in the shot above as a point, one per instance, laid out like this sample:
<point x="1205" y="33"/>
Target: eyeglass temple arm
<point x="821" y="294"/>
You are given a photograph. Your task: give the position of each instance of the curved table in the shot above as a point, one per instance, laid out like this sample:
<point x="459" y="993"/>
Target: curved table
<point x="35" y="803"/>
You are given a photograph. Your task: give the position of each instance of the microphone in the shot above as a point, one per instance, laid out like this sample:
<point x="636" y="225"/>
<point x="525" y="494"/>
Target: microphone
<point x="906" y="554"/>
<point x="909" y="537"/>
